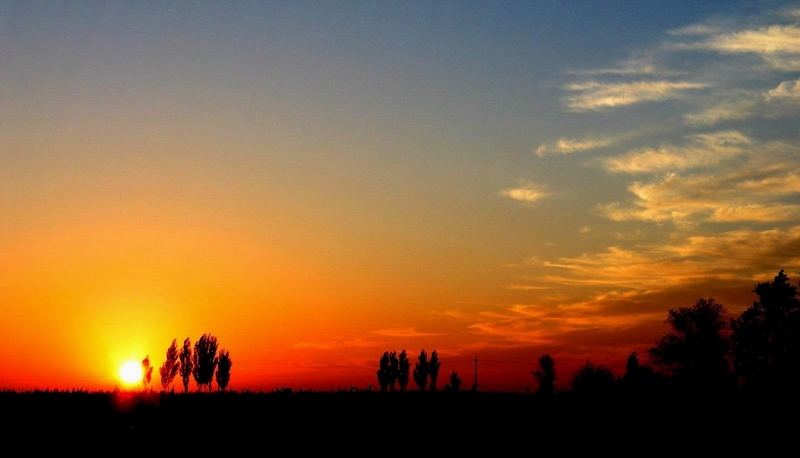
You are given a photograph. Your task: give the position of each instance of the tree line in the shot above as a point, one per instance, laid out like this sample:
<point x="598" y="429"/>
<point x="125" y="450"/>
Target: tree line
<point x="707" y="353"/>
<point x="203" y="363"/>
<point x="394" y="369"/>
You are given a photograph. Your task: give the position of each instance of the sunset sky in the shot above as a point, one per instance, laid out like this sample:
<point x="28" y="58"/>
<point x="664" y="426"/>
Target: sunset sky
<point x="316" y="183"/>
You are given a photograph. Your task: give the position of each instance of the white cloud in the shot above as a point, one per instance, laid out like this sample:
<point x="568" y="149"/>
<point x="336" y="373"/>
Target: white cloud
<point x="567" y="146"/>
<point x="703" y="150"/>
<point x="592" y="95"/>
<point x="527" y="192"/>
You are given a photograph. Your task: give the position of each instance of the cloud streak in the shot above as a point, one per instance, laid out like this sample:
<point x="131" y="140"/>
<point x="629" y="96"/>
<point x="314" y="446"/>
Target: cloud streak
<point x="592" y="95"/>
<point x="528" y="193"/>
<point x="568" y="146"/>
<point x="703" y="150"/>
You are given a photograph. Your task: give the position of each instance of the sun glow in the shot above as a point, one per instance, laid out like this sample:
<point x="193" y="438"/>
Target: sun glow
<point x="131" y="372"/>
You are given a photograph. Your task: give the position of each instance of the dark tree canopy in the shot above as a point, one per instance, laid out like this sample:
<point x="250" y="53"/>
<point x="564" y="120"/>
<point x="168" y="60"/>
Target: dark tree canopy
<point x="695" y="351"/>
<point x="421" y="370"/>
<point x="592" y="380"/>
<point x="169" y="369"/>
<point x="433" y="369"/>
<point x="403" y="370"/>
<point x="766" y="337"/>
<point x="187" y="364"/>
<point x="204" y="361"/>
<point x="223" y="374"/>
<point x="385" y="371"/>
<point x="455" y="382"/>
<point x="546" y="376"/>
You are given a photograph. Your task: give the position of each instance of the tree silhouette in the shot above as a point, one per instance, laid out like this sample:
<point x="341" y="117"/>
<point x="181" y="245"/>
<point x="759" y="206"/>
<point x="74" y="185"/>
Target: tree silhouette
<point x="546" y="376"/>
<point x="384" y="372"/>
<point x="766" y="337"/>
<point x="169" y="369"/>
<point x="403" y="369"/>
<point x="455" y="382"/>
<point x="394" y="369"/>
<point x="592" y="380"/>
<point x="433" y="369"/>
<point x="204" y="361"/>
<point x="421" y="370"/>
<point x="695" y="351"/>
<point x="187" y="364"/>
<point x="224" y="364"/>
<point x="147" y="371"/>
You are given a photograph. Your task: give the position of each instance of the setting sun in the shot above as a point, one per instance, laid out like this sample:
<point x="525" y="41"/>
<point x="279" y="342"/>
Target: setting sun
<point x="131" y="372"/>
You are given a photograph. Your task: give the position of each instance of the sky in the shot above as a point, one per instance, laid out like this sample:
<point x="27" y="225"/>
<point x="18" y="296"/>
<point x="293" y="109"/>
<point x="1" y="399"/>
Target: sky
<point x="316" y="183"/>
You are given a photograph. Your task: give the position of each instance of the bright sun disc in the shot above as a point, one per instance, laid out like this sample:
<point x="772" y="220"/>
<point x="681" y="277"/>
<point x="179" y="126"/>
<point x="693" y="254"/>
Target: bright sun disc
<point x="131" y="372"/>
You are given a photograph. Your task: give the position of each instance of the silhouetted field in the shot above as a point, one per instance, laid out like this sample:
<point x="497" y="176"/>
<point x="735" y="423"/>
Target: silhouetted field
<point x="503" y="422"/>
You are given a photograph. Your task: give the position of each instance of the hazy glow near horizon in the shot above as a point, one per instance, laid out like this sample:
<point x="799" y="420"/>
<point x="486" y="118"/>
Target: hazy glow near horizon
<point x="315" y="184"/>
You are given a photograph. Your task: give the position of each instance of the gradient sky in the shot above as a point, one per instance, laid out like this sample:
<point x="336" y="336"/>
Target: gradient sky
<point x="315" y="183"/>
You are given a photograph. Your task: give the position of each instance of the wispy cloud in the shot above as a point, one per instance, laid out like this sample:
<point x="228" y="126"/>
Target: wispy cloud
<point x="778" y="45"/>
<point x="726" y="111"/>
<point x="527" y="192"/>
<point x="567" y="145"/>
<point x="593" y="95"/>
<point x="357" y="342"/>
<point x="786" y="91"/>
<point x="743" y="254"/>
<point x="404" y="332"/>
<point x="752" y="190"/>
<point x="703" y="150"/>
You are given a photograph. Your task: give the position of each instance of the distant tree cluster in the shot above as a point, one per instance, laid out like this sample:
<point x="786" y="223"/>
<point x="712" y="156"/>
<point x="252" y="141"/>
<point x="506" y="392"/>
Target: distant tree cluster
<point x="203" y="363"/>
<point x="394" y="368"/>
<point x="707" y="353"/>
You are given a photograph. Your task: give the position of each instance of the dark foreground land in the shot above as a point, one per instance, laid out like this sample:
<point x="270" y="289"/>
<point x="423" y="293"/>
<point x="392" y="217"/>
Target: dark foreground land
<point x="369" y="422"/>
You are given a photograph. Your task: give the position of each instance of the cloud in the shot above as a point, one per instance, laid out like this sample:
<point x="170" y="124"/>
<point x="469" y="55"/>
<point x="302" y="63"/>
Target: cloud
<point x="707" y="198"/>
<point x="739" y="255"/>
<point x="703" y="150"/>
<point x="787" y="90"/>
<point x="357" y="342"/>
<point x="778" y="45"/>
<point x="567" y="146"/>
<point x="740" y="109"/>
<point x="592" y="95"/>
<point x="404" y="332"/>
<point x="527" y="192"/>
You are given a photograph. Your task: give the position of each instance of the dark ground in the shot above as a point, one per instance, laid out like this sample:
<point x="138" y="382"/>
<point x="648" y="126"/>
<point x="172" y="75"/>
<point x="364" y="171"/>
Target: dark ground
<point x="394" y="424"/>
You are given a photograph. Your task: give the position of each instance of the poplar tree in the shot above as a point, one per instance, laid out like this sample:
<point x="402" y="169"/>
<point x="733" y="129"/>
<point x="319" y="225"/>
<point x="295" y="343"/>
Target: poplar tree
<point x="171" y="366"/>
<point x="421" y="370"/>
<point x="186" y="364"/>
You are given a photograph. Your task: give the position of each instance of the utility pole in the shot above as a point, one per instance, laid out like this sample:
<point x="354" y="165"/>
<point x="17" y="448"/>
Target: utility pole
<point x="475" y="383"/>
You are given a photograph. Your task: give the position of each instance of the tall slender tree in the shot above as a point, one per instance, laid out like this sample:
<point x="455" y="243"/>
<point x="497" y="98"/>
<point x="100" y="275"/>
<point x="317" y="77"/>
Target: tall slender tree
<point x="403" y="369"/>
<point x="421" y="370"/>
<point x="169" y="369"/>
<point x="223" y="374"/>
<point x="384" y="372"/>
<point x="433" y="369"/>
<point x="187" y="364"/>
